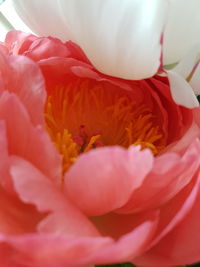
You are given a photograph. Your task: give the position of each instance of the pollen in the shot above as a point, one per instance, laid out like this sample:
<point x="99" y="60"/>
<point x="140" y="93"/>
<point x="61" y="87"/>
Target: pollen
<point x="85" y="115"/>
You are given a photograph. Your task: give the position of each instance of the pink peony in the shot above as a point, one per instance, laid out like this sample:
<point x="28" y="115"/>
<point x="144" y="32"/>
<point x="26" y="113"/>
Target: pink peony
<point x="94" y="169"/>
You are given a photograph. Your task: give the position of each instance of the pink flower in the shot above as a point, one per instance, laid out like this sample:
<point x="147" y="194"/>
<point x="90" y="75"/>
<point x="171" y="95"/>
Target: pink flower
<point x="94" y="169"/>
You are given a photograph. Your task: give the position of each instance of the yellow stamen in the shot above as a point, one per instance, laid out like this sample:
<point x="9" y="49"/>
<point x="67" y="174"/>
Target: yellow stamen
<point x="92" y="141"/>
<point x="91" y="108"/>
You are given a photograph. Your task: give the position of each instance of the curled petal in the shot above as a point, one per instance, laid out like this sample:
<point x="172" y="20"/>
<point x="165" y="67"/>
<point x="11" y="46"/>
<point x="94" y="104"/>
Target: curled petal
<point x="23" y="77"/>
<point x="181" y="245"/>
<point x="33" y="187"/>
<point x="25" y="140"/>
<point x="181" y="91"/>
<point x="103" y="180"/>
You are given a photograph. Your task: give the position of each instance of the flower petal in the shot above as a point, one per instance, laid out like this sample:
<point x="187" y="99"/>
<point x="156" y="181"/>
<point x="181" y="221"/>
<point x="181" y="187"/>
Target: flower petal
<point x="195" y="80"/>
<point x="181" y="245"/>
<point x="49" y="250"/>
<point x="27" y="141"/>
<point x="181" y="91"/>
<point x="35" y="188"/>
<point x="177" y="172"/>
<point x="141" y="230"/>
<point x="121" y="38"/>
<point x="103" y="179"/>
<point x="42" y="17"/>
<point x="182" y="32"/>
<point x="24" y="78"/>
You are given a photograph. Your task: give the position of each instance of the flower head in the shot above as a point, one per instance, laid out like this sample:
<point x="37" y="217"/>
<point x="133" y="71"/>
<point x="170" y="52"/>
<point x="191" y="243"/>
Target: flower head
<point x="95" y="169"/>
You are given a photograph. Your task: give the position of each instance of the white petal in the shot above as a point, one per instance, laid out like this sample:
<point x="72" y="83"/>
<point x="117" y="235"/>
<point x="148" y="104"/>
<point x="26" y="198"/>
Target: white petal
<point x="182" y="32"/>
<point x="10" y="14"/>
<point x="181" y="91"/>
<point x="42" y="17"/>
<point x="120" y="37"/>
<point x="189" y="68"/>
<point x="4" y="27"/>
<point x="195" y="80"/>
<point x="187" y="63"/>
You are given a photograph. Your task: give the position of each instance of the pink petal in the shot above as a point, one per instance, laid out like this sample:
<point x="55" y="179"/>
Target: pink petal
<point x="23" y="77"/>
<point x="5" y="180"/>
<point x="181" y="245"/>
<point x="51" y="250"/>
<point x="16" y="217"/>
<point x="33" y="187"/>
<point x="44" y="47"/>
<point x="24" y="140"/>
<point x="169" y="175"/>
<point x="103" y="180"/>
<point x="139" y="233"/>
<point x="17" y="41"/>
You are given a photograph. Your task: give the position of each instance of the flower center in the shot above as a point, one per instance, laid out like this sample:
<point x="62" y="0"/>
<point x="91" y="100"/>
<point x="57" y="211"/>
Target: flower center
<point x="86" y="115"/>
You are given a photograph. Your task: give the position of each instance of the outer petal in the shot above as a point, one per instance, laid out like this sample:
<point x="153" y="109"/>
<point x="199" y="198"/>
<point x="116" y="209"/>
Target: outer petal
<point x="49" y="250"/>
<point x="11" y="15"/>
<point x="23" y="77"/>
<point x="24" y="140"/>
<point x="33" y="187"/>
<point x="180" y="246"/>
<point x="169" y="175"/>
<point x="42" y="17"/>
<point x="181" y="91"/>
<point x="182" y="33"/>
<point x="195" y="80"/>
<point x="121" y="38"/>
<point x="189" y="68"/>
<point x="103" y="180"/>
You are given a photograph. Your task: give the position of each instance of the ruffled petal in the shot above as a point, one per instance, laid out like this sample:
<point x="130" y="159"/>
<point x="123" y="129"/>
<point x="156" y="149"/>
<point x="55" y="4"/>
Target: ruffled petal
<point x="23" y="77"/>
<point x="103" y="180"/>
<point x="121" y="38"/>
<point x="181" y="245"/>
<point x="155" y="190"/>
<point x="27" y="141"/>
<point x="34" y="188"/>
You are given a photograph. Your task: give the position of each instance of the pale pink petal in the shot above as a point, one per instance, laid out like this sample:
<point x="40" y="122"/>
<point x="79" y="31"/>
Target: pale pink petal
<point x="102" y="180"/>
<point x="23" y="77"/>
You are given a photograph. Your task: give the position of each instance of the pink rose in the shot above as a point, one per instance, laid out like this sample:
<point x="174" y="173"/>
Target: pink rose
<point x="94" y="169"/>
